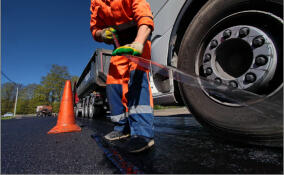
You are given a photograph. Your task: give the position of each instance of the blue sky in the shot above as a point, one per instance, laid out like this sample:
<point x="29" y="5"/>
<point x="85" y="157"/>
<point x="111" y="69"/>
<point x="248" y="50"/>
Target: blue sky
<point x="38" y="33"/>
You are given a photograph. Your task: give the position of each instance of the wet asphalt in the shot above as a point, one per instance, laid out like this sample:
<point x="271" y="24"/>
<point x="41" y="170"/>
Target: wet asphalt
<point x="181" y="146"/>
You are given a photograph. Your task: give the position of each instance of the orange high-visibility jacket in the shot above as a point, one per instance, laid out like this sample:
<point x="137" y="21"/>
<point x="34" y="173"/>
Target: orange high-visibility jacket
<point x="107" y="13"/>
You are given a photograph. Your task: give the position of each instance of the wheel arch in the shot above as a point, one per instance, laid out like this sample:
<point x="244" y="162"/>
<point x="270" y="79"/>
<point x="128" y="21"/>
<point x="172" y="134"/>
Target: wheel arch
<point x="185" y="16"/>
<point x="187" y="13"/>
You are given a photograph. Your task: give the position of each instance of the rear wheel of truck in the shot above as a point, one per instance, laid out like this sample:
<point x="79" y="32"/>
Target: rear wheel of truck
<point x="238" y="44"/>
<point x="95" y="109"/>
<point x="91" y="111"/>
<point x="86" y="109"/>
<point x="76" y="112"/>
<point x="83" y="111"/>
<point x="91" y="107"/>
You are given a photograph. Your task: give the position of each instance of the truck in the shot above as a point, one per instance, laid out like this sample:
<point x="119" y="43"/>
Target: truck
<point x="237" y="43"/>
<point x="43" y="111"/>
<point x="89" y="91"/>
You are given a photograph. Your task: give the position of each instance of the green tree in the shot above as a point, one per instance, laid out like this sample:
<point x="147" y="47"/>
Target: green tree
<point x="73" y="80"/>
<point x="22" y="106"/>
<point x="55" y="106"/>
<point x="47" y="93"/>
<point x="26" y="95"/>
<point x="8" y="95"/>
<point x="40" y="97"/>
<point x="53" y="83"/>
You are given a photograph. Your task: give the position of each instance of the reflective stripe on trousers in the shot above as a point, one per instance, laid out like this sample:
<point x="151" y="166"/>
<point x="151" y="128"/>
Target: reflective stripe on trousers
<point x="141" y="109"/>
<point x="133" y="110"/>
<point x="119" y="117"/>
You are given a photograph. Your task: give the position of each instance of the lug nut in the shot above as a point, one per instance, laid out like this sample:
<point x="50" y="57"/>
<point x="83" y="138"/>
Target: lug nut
<point x="207" y="57"/>
<point x="213" y="44"/>
<point x="208" y="71"/>
<point x="258" y="41"/>
<point x="261" y="60"/>
<point x="250" y="77"/>
<point x="233" y="84"/>
<point x="243" y="32"/>
<point x="227" y="34"/>
<point x="218" y="81"/>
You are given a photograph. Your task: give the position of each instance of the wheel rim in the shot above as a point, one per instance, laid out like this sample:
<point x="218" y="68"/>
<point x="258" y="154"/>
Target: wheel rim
<point x="86" y="111"/>
<point x="241" y="56"/>
<point x="83" y="112"/>
<point x="91" y="111"/>
<point x="76" y="113"/>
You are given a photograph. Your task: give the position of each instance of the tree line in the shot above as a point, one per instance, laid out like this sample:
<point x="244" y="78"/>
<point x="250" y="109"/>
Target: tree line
<point x="48" y="92"/>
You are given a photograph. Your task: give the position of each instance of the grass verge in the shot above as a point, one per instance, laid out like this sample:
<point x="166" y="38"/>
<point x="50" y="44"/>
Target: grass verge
<point x="159" y="107"/>
<point x="7" y="118"/>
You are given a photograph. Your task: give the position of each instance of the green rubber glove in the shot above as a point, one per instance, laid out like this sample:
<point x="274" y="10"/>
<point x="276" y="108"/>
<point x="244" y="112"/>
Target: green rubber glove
<point x="134" y="49"/>
<point x="107" y="36"/>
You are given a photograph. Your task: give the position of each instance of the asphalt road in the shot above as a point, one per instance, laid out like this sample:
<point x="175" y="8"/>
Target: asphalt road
<point x="181" y="146"/>
<point x="27" y="149"/>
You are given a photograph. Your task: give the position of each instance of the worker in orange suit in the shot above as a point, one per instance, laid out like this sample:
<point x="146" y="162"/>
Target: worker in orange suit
<point x="128" y="88"/>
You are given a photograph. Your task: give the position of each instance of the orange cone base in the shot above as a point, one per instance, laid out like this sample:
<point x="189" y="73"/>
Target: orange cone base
<point x="64" y="128"/>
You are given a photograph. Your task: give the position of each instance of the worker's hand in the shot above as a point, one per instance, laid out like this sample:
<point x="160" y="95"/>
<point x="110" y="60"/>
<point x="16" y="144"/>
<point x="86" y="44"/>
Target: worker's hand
<point x="106" y="35"/>
<point x="134" y="49"/>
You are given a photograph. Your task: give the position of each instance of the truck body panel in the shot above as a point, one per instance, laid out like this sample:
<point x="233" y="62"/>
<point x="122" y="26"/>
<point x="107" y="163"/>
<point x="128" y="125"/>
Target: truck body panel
<point x="164" y="22"/>
<point x="94" y="74"/>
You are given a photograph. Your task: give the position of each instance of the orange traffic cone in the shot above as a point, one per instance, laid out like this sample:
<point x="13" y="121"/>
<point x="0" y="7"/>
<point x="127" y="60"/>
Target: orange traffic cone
<point x="66" y="118"/>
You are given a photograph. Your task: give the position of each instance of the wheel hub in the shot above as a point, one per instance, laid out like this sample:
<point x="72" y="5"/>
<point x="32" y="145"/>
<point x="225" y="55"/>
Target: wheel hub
<point x="241" y="57"/>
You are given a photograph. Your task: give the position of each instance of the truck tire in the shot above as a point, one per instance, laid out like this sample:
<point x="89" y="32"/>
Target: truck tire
<point x="86" y="107"/>
<point x="95" y="111"/>
<point x="91" y="107"/>
<point x="76" y="112"/>
<point x="223" y="30"/>
<point x="83" y="111"/>
<point x="91" y="111"/>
